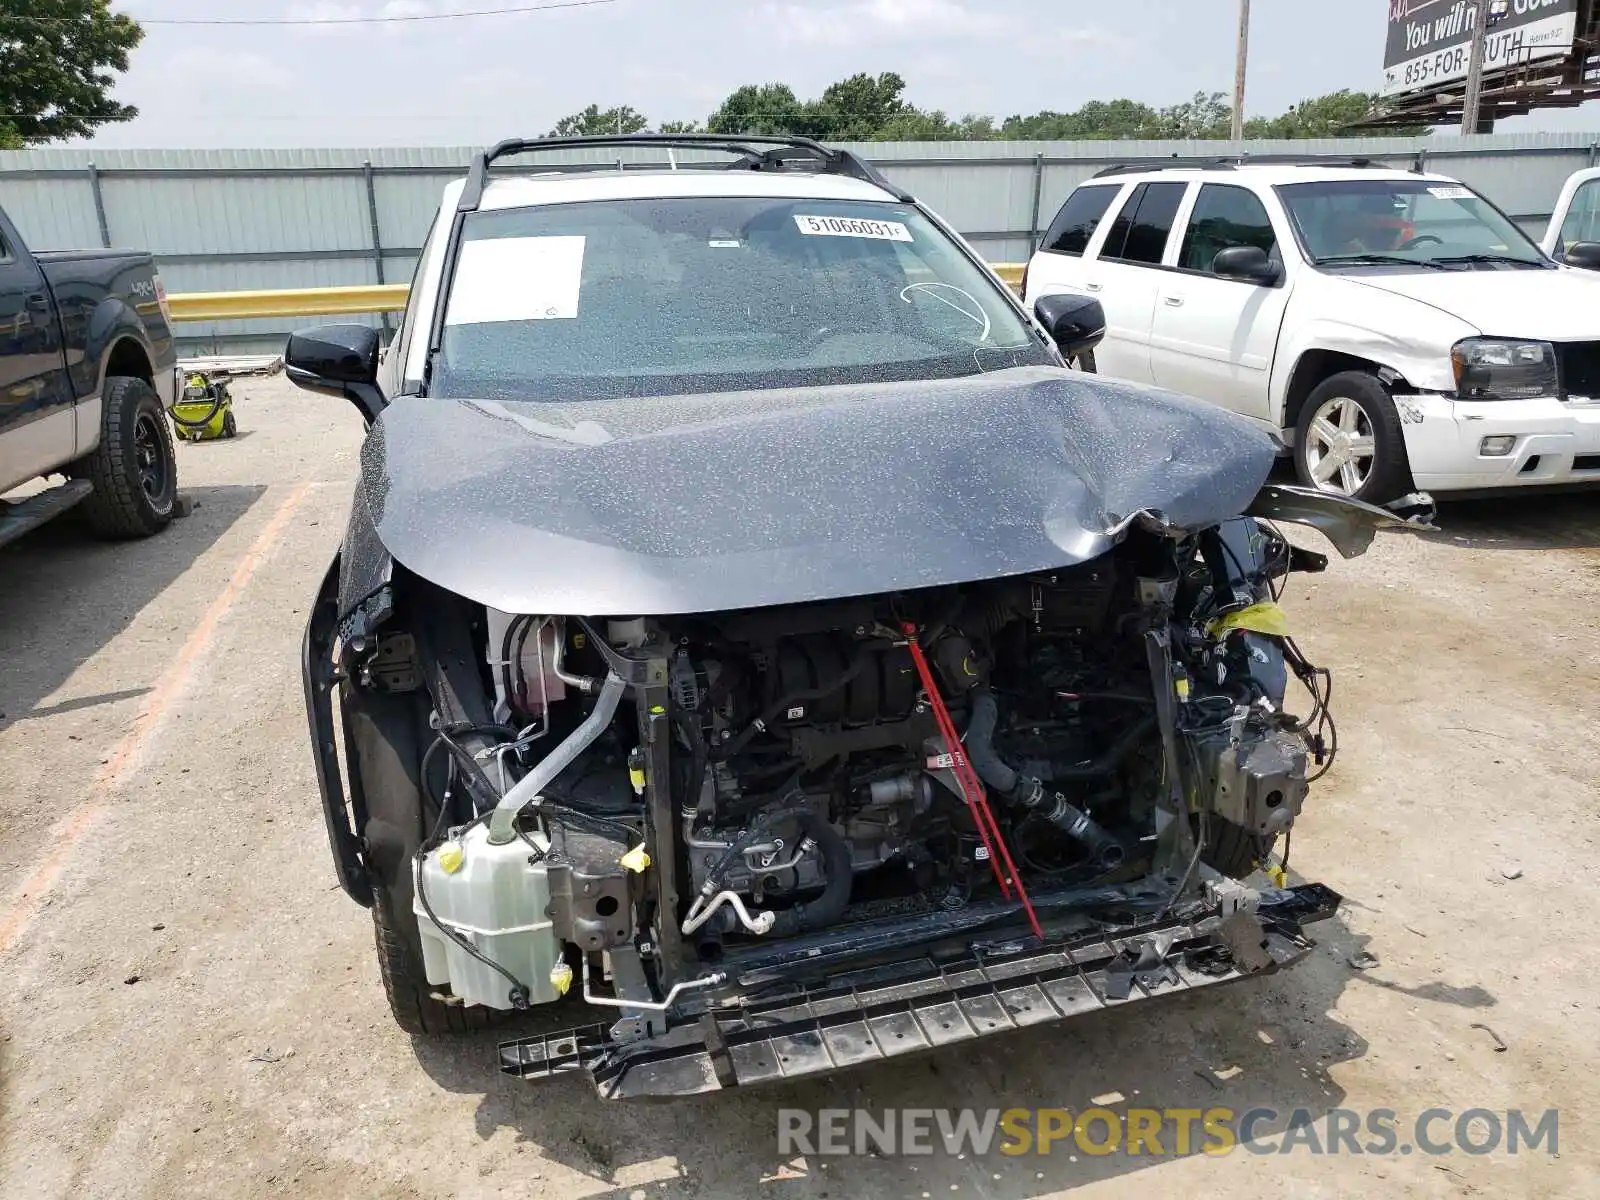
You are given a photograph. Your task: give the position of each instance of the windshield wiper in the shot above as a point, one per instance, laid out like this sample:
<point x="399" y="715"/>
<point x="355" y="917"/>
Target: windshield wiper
<point x="1382" y="259"/>
<point x="1465" y="259"/>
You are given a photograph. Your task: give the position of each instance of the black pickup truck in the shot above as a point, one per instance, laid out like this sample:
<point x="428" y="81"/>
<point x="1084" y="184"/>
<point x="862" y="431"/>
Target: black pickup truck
<point x="88" y="367"/>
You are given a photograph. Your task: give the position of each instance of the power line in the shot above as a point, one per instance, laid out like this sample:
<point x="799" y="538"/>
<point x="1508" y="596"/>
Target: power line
<point x="391" y="20"/>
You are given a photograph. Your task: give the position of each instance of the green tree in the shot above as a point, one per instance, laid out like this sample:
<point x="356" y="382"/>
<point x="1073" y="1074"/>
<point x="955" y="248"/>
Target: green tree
<point x="915" y="125"/>
<point x="1208" y="115"/>
<point x="1324" y="116"/>
<point x="681" y="127"/>
<point x="594" y="122"/>
<point x="858" y="109"/>
<point x="59" y="60"/>
<point x="768" y="110"/>
<point x="1097" y="120"/>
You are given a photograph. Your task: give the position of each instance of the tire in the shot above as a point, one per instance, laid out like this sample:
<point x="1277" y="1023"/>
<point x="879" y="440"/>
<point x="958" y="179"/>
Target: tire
<point x="1233" y="850"/>
<point x="133" y="470"/>
<point x="1344" y="416"/>
<point x="230" y="427"/>
<point x="406" y="986"/>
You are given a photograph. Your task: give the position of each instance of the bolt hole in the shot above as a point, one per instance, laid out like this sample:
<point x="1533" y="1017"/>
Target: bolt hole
<point x="1274" y="799"/>
<point x="606" y="906"/>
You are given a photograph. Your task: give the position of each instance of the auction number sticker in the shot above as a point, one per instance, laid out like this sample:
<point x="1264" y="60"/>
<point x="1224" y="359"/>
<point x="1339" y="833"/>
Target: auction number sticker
<point x="1450" y="193"/>
<point x="853" y="227"/>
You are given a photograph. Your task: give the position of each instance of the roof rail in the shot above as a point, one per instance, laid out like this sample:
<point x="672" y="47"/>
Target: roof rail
<point x="754" y="153"/>
<point x="1233" y="161"/>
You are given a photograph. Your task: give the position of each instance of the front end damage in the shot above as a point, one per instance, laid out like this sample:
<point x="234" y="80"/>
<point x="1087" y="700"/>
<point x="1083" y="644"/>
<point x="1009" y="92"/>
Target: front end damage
<point x="781" y="840"/>
<point x="776" y="1033"/>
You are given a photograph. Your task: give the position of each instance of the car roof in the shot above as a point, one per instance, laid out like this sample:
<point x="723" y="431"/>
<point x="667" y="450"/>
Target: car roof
<point x="1264" y="173"/>
<point x="531" y="190"/>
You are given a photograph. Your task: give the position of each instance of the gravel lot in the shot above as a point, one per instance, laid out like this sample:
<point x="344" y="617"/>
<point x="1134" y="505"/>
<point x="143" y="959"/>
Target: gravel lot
<point x="192" y="1008"/>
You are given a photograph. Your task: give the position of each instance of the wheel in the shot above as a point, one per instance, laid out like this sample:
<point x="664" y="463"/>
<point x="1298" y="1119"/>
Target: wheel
<point x="1348" y="440"/>
<point x="134" y="471"/>
<point x="230" y="427"/>
<point x="406" y="986"/>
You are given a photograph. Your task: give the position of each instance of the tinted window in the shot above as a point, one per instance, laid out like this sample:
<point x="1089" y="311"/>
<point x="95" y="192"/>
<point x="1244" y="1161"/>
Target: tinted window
<point x="1078" y="219"/>
<point x="1117" y="236"/>
<point x="658" y="297"/>
<point x="1153" y="207"/>
<point x="1225" y="216"/>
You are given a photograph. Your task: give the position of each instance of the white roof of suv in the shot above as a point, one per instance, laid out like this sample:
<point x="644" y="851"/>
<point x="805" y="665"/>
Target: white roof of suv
<point x="1263" y="173"/>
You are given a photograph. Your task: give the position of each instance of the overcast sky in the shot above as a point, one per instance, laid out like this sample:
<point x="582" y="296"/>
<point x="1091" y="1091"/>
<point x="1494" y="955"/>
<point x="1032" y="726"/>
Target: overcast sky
<point x="475" y="80"/>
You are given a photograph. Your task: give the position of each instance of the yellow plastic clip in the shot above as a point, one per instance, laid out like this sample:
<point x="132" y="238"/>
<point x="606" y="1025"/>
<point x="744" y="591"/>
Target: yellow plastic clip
<point x="1266" y="617"/>
<point x="561" y="978"/>
<point x="1274" y="872"/>
<point x="452" y="856"/>
<point x="636" y="860"/>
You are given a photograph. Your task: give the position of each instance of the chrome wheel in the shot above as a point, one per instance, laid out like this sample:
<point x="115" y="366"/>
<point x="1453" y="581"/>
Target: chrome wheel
<point x="1341" y="449"/>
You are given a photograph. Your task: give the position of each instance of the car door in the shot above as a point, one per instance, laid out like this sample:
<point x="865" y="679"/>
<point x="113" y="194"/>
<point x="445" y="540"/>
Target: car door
<point x="36" y="419"/>
<point x="1059" y="265"/>
<point x="1581" y="220"/>
<point x="1124" y="274"/>
<point x="1214" y="337"/>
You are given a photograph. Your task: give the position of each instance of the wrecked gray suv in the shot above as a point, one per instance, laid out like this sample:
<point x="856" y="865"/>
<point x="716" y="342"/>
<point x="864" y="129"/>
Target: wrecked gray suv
<point x="755" y="650"/>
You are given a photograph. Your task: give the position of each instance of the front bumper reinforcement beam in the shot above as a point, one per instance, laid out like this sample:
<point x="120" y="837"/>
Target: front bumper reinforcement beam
<point x="921" y="1004"/>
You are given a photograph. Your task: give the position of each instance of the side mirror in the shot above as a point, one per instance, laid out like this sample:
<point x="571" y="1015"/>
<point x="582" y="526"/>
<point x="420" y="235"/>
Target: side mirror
<point x="1074" y="323"/>
<point x="1583" y="254"/>
<point x="338" y="360"/>
<point x="1249" y="263"/>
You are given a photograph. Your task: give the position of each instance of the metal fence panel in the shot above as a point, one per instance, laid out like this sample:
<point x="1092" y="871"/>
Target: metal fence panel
<point x="234" y="220"/>
<point x="228" y="214"/>
<point x="52" y="213"/>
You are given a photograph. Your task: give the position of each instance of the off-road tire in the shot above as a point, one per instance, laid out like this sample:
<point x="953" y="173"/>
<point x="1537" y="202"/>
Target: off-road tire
<point x="404" y="983"/>
<point x="121" y="506"/>
<point x="1390" y="477"/>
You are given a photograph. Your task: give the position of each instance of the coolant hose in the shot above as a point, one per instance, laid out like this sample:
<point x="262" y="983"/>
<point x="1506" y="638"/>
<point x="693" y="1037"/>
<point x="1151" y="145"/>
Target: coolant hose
<point x="838" y="868"/>
<point x="980" y="744"/>
<point x="1031" y="793"/>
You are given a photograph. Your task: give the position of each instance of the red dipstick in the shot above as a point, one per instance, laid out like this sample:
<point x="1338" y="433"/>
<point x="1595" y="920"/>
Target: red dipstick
<point x="971" y="786"/>
<point x="1005" y="870"/>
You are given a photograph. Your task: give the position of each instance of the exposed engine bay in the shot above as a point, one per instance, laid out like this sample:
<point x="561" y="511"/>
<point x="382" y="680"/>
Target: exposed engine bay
<point x="659" y="804"/>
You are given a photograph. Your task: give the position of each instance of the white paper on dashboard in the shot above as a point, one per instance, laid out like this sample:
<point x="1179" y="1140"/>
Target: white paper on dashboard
<point x="517" y="279"/>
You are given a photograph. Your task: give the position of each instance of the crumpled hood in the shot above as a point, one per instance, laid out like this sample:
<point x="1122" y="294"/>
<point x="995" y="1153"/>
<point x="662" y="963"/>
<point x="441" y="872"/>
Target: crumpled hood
<point x="740" y="500"/>
<point x="1557" y="306"/>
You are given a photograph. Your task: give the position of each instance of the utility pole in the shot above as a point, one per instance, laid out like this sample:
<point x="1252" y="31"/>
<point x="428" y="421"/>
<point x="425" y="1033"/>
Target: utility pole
<point x="1240" y="70"/>
<point x="1489" y="13"/>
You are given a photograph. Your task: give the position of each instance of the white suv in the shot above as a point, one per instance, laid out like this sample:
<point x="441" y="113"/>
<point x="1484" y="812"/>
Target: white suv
<point x="1395" y="329"/>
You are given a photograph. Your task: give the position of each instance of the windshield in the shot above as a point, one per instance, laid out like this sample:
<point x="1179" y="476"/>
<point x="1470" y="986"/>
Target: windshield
<point x="1421" y="222"/>
<point x="654" y="297"/>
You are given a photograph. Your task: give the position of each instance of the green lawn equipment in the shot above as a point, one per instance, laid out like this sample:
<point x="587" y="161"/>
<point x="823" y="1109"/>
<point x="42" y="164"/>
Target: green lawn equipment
<point x="205" y="411"/>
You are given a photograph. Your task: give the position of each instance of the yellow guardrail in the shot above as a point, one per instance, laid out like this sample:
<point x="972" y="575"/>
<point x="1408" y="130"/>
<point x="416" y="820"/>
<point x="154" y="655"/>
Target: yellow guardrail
<point x="289" y="302"/>
<point x="1011" y="273"/>
<point x="342" y="301"/>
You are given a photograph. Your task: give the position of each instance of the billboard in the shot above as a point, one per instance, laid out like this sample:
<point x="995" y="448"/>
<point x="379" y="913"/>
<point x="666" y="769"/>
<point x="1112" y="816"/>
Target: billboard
<point x="1430" y="41"/>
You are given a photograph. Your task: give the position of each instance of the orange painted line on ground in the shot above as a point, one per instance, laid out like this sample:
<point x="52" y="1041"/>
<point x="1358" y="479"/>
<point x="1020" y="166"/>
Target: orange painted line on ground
<point x="64" y="839"/>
